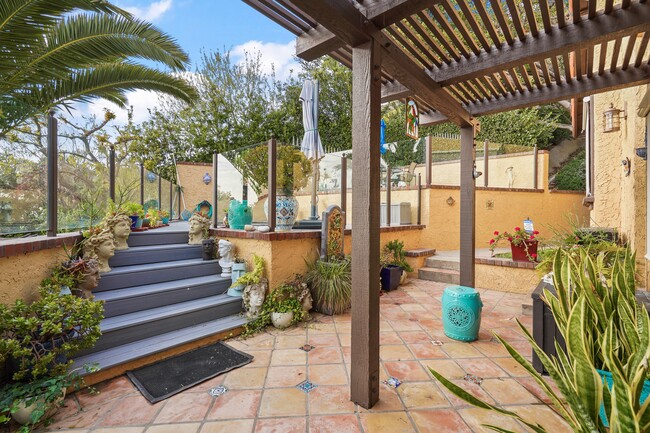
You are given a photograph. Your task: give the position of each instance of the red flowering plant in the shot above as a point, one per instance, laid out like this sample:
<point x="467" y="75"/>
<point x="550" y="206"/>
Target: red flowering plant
<point x="519" y="238"/>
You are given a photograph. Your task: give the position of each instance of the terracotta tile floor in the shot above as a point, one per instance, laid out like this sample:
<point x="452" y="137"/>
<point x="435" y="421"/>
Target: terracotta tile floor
<point x="262" y="396"/>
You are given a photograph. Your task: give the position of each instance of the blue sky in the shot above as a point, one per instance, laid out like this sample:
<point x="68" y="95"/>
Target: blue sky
<point x="207" y="25"/>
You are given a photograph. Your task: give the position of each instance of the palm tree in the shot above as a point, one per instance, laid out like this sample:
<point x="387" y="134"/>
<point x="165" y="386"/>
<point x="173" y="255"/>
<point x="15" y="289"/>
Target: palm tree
<point x="54" y="52"/>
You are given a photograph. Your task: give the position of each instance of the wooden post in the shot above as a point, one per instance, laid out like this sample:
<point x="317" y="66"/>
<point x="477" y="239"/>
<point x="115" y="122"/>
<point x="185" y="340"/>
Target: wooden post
<point x="467" y="206"/>
<point x="171" y="201"/>
<point x="486" y="152"/>
<point x="535" y="154"/>
<point x="215" y="189"/>
<point x="428" y="160"/>
<point x="111" y="172"/>
<point x="159" y="192"/>
<point x="272" y="181"/>
<point x="52" y="175"/>
<point x="344" y="187"/>
<point x="388" y="188"/>
<point x="142" y="184"/>
<point x="366" y="117"/>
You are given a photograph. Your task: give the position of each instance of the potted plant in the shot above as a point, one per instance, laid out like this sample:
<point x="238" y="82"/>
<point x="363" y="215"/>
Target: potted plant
<point x="330" y="283"/>
<point x="238" y="271"/>
<point x="164" y="217"/>
<point x="152" y="218"/>
<point x="135" y="211"/>
<point x="293" y="171"/>
<point x="523" y="244"/>
<point x="284" y="307"/>
<point x="396" y="257"/>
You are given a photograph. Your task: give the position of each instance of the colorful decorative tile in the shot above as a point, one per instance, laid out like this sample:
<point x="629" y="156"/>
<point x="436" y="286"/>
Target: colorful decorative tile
<point x="306" y="386"/>
<point x="472" y="378"/>
<point x="393" y="382"/>
<point x="437" y="342"/>
<point x="217" y="391"/>
<point x="307" y="347"/>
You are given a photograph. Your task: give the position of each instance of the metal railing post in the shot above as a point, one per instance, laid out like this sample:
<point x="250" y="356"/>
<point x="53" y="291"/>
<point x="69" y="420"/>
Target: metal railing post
<point x="535" y="152"/>
<point x="159" y="192"/>
<point x="485" y="163"/>
<point x="215" y="213"/>
<point x="180" y="193"/>
<point x="388" y="189"/>
<point x="273" y="155"/>
<point x="344" y="187"/>
<point x="419" y="198"/>
<point x="171" y="201"/>
<point x="142" y="184"/>
<point x="428" y="159"/>
<point x="111" y="173"/>
<point x="52" y="174"/>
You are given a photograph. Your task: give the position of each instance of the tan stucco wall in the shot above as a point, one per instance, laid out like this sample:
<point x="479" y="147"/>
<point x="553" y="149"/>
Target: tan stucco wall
<point x="190" y="176"/>
<point x="506" y="279"/>
<point x="21" y="275"/>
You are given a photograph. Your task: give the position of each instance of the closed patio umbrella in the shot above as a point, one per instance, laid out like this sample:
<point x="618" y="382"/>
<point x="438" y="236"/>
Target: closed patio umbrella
<point x="311" y="144"/>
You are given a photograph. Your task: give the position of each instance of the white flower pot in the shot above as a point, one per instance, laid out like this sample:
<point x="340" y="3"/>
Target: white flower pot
<point x="24" y="414"/>
<point x="282" y="320"/>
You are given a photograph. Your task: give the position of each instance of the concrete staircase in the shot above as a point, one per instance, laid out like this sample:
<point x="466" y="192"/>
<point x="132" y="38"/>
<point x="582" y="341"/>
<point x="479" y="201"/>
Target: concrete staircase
<point x="159" y="295"/>
<point x="441" y="269"/>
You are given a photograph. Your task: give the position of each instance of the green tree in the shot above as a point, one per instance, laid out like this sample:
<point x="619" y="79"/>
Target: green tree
<point x="55" y="52"/>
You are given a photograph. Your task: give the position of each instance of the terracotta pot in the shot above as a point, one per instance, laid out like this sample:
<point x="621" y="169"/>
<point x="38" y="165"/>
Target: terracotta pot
<point x="524" y="251"/>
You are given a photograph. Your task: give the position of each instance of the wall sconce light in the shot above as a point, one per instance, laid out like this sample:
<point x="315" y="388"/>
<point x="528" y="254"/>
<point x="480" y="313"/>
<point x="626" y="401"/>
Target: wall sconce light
<point x="612" y="118"/>
<point x="151" y="178"/>
<point x="451" y="201"/>
<point x="627" y="166"/>
<point x="207" y="178"/>
<point x="641" y="152"/>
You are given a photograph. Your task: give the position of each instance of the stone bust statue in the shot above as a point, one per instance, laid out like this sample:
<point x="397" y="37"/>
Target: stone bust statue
<point x="199" y="227"/>
<point x="253" y="298"/>
<point x="226" y="257"/>
<point x="120" y="225"/>
<point x="86" y="273"/>
<point x="101" y="248"/>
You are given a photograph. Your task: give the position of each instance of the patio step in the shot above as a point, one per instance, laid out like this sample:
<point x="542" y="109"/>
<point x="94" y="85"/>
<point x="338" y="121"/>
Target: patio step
<point x="127" y="328"/>
<point x="131" y="299"/>
<point x="149" y="273"/>
<point x="164" y="236"/>
<point x="439" y="275"/>
<point x="442" y="263"/>
<point x="155" y="254"/>
<point x="129" y="352"/>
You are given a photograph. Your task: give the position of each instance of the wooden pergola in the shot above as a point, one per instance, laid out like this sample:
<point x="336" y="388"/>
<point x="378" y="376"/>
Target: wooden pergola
<point x="459" y="59"/>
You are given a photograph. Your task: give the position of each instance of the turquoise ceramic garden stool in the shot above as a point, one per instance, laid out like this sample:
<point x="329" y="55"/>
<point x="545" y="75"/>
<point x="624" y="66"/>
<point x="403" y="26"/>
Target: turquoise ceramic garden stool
<point x="461" y="313"/>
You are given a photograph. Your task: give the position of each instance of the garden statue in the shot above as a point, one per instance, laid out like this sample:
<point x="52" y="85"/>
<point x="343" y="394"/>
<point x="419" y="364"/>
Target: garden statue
<point x="199" y="227"/>
<point x="120" y="225"/>
<point x="305" y="299"/>
<point x="86" y="275"/>
<point x="253" y="298"/>
<point x="226" y="260"/>
<point x="100" y="246"/>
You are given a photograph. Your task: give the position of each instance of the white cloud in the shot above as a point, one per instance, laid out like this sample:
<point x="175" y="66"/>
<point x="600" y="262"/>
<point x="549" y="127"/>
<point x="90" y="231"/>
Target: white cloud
<point x="273" y="55"/>
<point x="152" y="12"/>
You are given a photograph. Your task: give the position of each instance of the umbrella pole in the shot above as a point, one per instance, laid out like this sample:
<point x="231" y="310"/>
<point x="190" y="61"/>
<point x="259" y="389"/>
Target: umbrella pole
<point x="314" y="204"/>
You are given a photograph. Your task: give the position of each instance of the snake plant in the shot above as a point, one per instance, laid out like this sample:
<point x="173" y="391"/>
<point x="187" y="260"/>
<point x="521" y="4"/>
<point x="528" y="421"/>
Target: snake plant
<point x="604" y="328"/>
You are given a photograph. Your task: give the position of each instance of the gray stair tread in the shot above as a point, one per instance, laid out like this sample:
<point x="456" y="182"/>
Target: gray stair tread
<point x="119" y="270"/>
<point x="440" y="270"/>
<point x="158" y="232"/>
<point x="143" y="316"/>
<point x="131" y="292"/>
<point x="152" y="248"/>
<point x="138" y="349"/>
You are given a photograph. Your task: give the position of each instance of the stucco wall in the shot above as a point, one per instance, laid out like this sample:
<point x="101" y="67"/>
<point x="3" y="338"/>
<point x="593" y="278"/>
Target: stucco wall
<point x="190" y="176"/>
<point x="506" y="279"/>
<point x="20" y="275"/>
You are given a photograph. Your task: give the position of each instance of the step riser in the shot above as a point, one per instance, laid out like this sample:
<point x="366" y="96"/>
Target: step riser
<point x="154" y="300"/>
<point x="128" y="257"/>
<point x="442" y="264"/>
<point x="142" y="239"/>
<point x="118" y="281"/>
<point x="134" y="333"/>
<point x="438" y="277"/>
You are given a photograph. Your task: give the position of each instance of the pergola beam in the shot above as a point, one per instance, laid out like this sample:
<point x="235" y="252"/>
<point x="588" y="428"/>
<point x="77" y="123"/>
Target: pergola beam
<point x="320" y="41"/>
<point x="347" y="23"/>
<point x="620" y="22"/>
<point x="575" y="89"/>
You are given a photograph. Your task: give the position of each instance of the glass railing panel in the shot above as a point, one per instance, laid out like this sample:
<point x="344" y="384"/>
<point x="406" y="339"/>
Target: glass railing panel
<point x="243" y="176"/>
<point x="83" y="193"/>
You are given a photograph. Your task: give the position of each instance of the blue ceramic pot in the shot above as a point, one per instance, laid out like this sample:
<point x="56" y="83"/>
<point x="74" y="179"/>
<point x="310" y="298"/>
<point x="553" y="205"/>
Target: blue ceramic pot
<point x="607" y="378"/>
<point x="134" y="221"/>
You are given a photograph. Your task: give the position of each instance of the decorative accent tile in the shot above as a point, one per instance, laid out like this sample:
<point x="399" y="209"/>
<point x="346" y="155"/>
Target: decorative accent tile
<point x="393" y="382"/>
<point x="307" y="347"/>
<point x="437" y="342"/>
<point x="217" y="391"/>
<point x="306" y="386"/>
<point x="472" y="378"/>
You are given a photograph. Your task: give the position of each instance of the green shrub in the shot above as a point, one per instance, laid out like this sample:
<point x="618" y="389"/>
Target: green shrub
<point x="330" y="284"/>
<point x="572" y="175"/>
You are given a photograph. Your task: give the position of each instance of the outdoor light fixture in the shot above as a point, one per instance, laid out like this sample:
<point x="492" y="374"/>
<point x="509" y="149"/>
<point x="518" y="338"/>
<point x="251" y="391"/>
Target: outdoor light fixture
<point x="641" y="152"/>
<point x="612" y="118"/>
<point x="451" y="201"/>
<point x="151" y="177"/>
<point x="207" y="178"/>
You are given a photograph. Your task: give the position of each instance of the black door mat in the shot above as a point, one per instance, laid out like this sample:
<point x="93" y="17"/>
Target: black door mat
<point x="165" y="378"/>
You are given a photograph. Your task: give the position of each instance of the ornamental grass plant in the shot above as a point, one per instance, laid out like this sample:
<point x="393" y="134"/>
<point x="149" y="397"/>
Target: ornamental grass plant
<point x="330" y="283"/>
